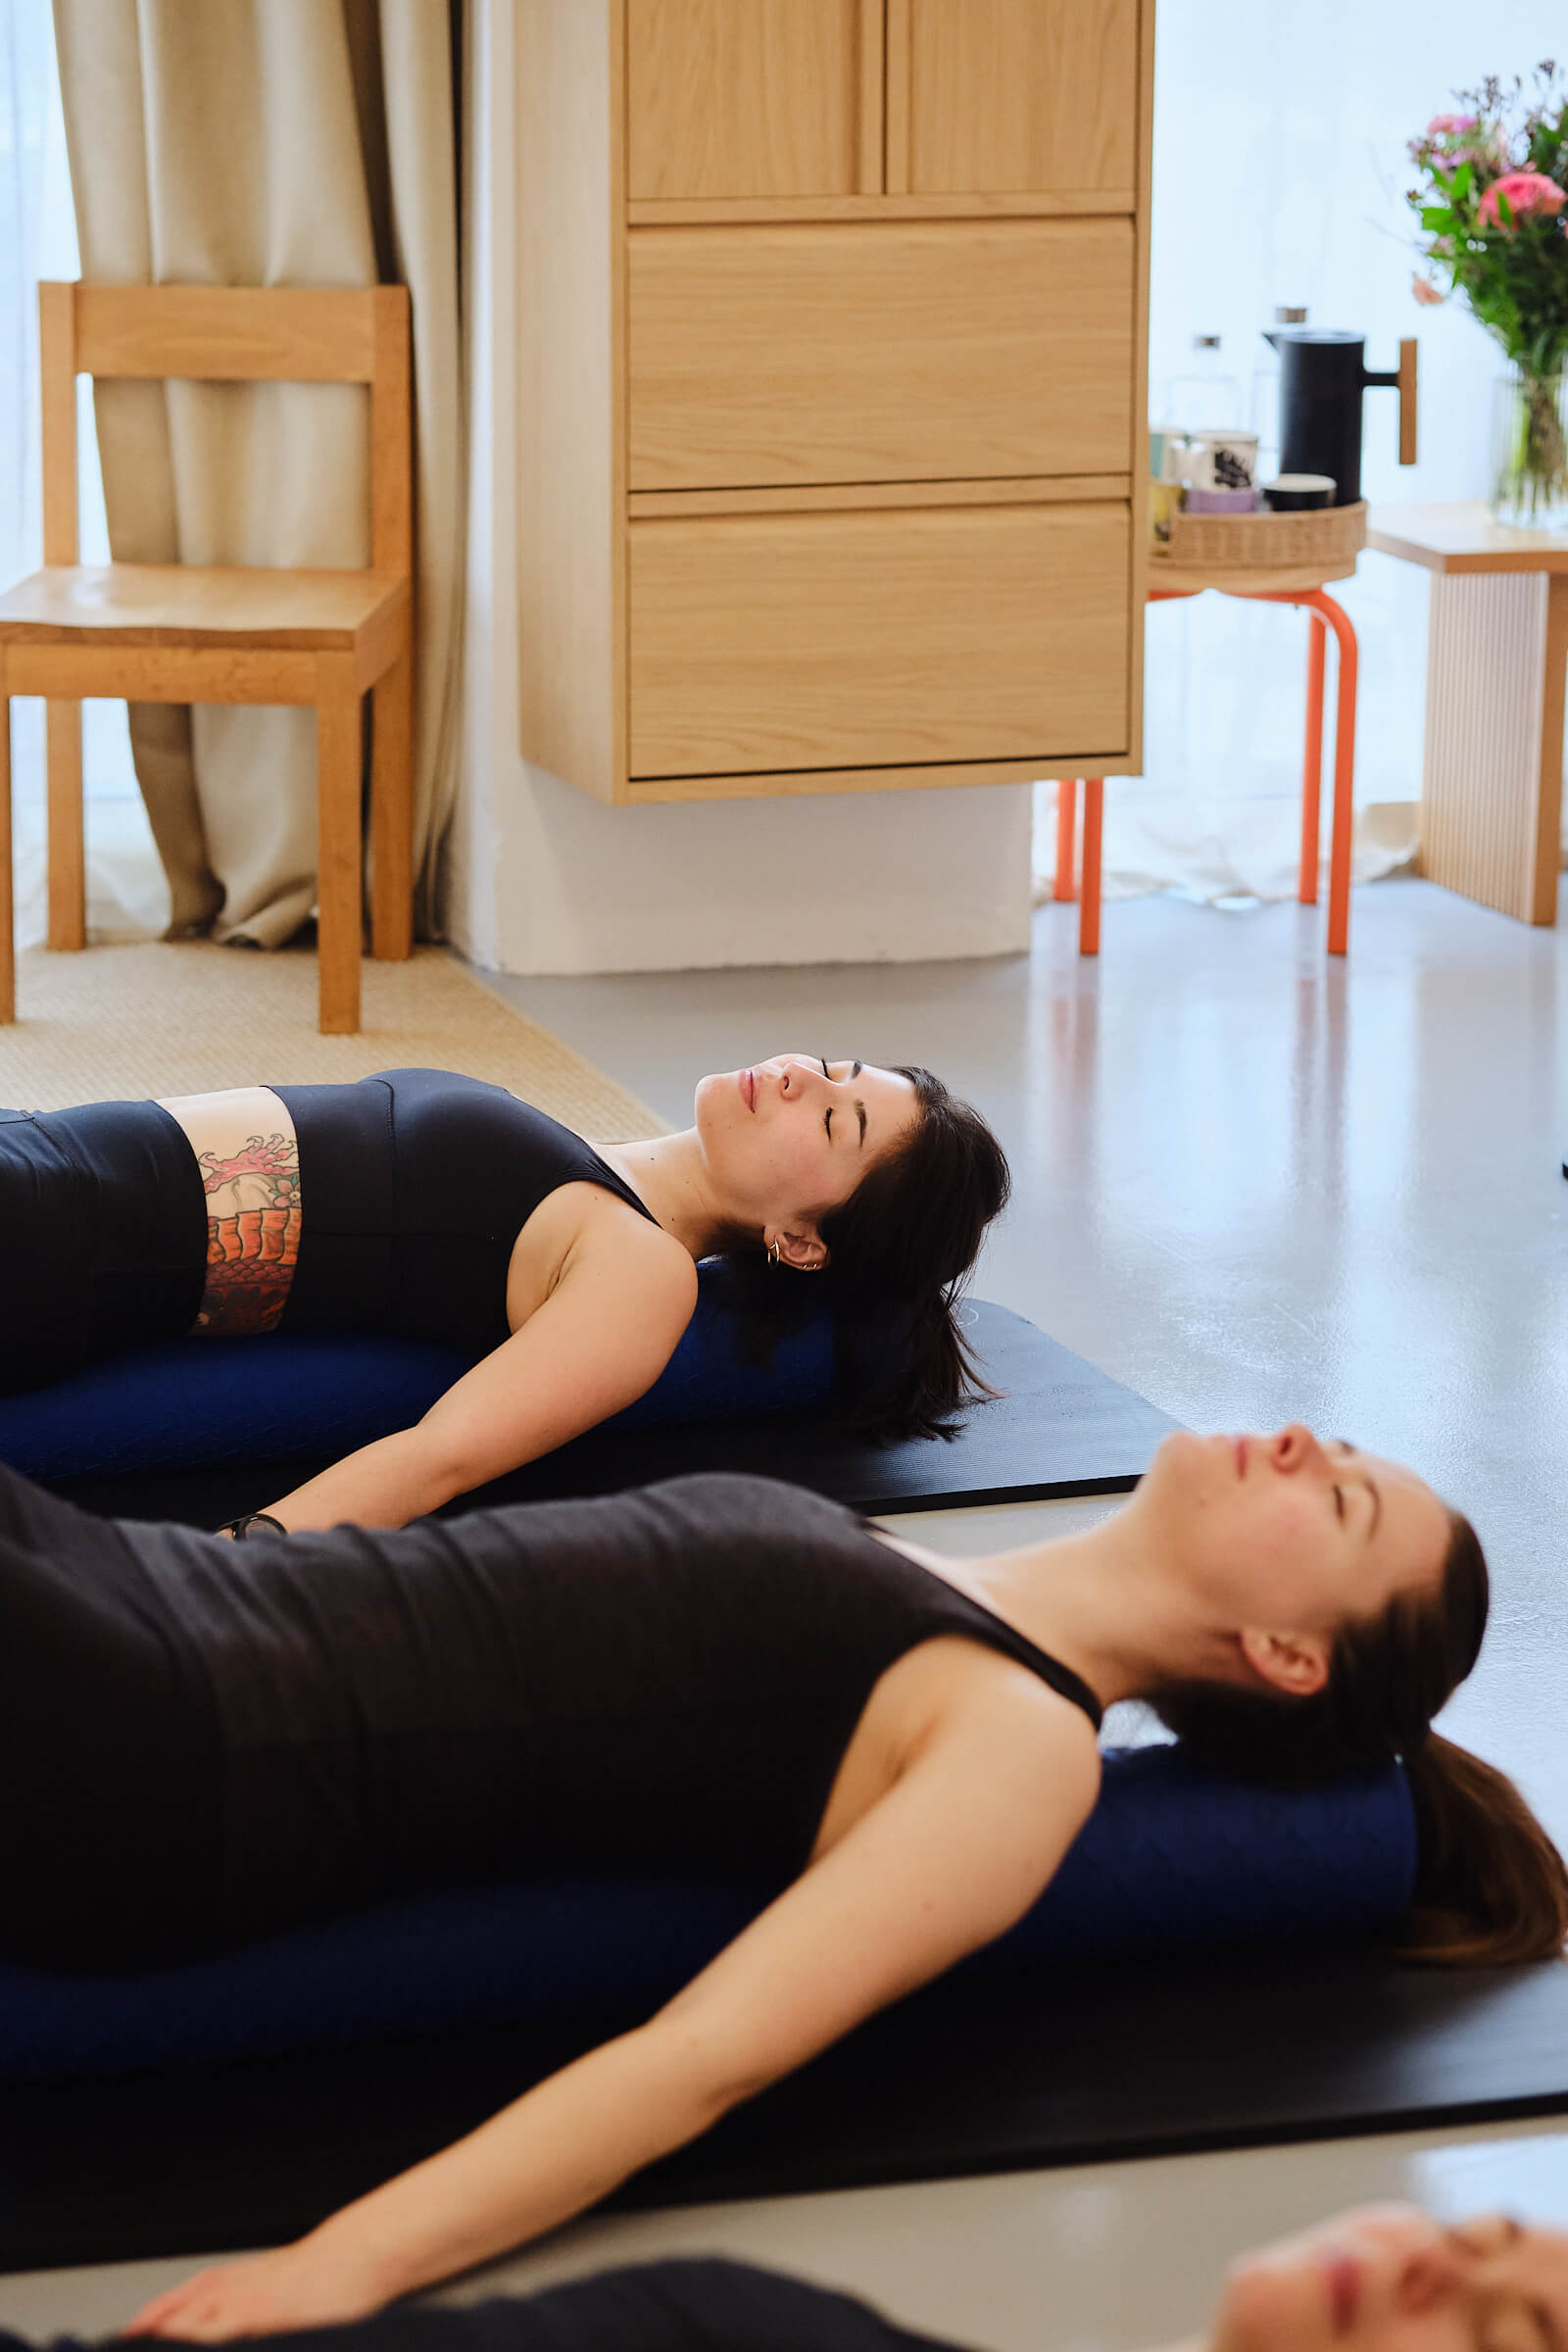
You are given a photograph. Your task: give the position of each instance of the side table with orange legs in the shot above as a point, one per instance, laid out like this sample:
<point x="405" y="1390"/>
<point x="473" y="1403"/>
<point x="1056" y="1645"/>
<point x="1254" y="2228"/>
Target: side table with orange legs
<point x="1307" y="590"/>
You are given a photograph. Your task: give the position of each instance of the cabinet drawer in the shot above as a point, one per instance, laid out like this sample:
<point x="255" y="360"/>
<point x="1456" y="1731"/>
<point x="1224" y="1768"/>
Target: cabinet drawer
<point x="879" y="352"/>
<point x="897" y="638"/>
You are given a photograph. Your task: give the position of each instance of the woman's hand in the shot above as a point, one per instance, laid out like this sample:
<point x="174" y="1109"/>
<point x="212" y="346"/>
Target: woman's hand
<point x="302" y="2285"/>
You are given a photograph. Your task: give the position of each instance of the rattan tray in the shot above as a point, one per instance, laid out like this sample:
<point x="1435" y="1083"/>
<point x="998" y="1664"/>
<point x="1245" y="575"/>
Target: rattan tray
<point x="1330" y="537"/>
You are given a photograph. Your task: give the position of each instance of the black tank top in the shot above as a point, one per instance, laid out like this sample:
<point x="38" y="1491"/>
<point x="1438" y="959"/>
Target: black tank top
<point x="415" y="1186"/>
<point x="664" y="1681"/>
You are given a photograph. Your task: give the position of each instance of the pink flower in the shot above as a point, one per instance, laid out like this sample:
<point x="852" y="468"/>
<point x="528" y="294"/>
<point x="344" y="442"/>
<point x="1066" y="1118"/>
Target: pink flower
<point x="1448" y="126"/>
<point x="1425" y="291"/>
<point x="1526" y="191"/>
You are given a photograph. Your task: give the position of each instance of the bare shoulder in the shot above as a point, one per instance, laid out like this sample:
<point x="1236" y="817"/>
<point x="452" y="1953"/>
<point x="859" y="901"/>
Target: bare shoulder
<point x="986" y="1713"/>
<point x="985" y="1695"/>
<point x="586" y="1233"/>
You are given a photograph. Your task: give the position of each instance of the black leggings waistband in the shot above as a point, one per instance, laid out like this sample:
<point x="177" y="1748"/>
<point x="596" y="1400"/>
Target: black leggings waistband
<point x="103" y="1237"/>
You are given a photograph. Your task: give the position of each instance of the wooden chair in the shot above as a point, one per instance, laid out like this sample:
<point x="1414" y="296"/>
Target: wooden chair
<point x="178" y="633"/>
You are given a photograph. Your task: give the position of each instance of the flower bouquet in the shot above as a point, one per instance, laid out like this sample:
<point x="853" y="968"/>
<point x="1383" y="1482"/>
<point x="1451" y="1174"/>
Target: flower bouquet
<point x="1491" y="209"/>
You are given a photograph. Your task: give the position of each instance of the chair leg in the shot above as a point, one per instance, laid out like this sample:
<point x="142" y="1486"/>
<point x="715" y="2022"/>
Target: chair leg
<point x="1312" y="762"/>
<point x="1088" y="887"/>
<point x="392" y="811"/>
<point x="8" y="927"/>
<point x="68" y="846"/>
<point x="1067" y="827"/>
<point x="339" y="754"/>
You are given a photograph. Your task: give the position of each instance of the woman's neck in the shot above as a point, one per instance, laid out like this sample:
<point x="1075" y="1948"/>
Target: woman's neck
<point x="669" y="1174"/>
<point x="1104" y="1601"/>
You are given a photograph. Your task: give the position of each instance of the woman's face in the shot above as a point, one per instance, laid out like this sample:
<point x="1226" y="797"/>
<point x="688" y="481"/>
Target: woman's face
<point x="788" y="1139"/>
<point x="1387" y="2278"/>
<point x="1299" y="1533"/>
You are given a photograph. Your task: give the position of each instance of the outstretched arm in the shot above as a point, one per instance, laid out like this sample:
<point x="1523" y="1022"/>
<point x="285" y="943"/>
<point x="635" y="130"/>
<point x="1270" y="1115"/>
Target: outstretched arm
<point x="596" y="1344"/>
<point x="949" y="1857"/>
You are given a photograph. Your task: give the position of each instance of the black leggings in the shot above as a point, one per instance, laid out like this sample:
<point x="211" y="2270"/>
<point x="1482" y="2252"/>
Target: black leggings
<point x="103" y="1237"/>
<point x="110" y="1754"/>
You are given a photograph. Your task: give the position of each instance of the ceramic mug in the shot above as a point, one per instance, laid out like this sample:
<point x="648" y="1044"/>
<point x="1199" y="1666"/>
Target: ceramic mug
<point x="1221" y="461"/>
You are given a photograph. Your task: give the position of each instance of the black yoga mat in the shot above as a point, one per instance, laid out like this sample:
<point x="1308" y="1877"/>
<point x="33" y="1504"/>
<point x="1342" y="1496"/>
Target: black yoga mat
<point x="1058" y="1427"/>
<point x="1132" y="2058"/>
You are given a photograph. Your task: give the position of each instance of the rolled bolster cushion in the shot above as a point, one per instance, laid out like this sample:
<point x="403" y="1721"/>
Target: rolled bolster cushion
<point x="190" y="1403"/>
<point x="1170" y="1859"/>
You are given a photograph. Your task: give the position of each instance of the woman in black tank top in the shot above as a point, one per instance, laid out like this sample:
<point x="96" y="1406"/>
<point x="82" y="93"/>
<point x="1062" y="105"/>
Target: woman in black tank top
<point x="1374" y="2278"/>
<point x="425" y="1205"/>
<point x="719" y="1676"/>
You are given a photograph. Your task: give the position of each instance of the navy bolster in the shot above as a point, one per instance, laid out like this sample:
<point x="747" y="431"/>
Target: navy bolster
<point x="188" y="1404"/>
<point x="1168" y="1860"/>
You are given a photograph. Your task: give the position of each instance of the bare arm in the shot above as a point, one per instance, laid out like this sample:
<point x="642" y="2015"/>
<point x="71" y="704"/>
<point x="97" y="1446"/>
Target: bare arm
<point x="596" y="1344"/>
<point x="948" y="1858"/>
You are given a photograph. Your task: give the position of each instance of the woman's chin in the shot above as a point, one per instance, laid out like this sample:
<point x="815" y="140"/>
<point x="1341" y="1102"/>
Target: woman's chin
<point x="709" y="1092"/>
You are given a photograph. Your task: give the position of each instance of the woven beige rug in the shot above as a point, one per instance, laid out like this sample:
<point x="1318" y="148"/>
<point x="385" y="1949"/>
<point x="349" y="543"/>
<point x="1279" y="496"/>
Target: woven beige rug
<point x="126" y="1023"/>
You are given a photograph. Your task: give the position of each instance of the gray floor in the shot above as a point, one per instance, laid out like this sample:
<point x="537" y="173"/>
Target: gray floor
<point x="1253" y="1183"/>
<point x="1254" y="1186"/>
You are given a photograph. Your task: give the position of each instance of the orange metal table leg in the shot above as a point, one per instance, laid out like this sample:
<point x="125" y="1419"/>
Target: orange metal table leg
<point x="1088" y="887"/>
<point x="1344" y="778"/>
<point x="1315" y="601"/>
<point x="1313" y="763"/>
<point x="1066" y="829"/>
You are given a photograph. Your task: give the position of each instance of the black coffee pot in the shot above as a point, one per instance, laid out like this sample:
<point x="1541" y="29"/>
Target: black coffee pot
<point x="1322" y="376"/>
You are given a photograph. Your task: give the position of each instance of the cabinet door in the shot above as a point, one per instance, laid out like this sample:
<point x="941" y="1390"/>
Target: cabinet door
<point x="753" y="98"/>
<point x="1011" y="96"/>
<point x="899" y="638"/>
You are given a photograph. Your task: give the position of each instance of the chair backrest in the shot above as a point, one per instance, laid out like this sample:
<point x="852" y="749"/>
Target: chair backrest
<point x="294" y="334"/>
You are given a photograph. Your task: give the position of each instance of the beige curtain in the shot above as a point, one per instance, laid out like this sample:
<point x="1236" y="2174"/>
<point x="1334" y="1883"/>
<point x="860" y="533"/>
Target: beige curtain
<point x="270" y="142"/>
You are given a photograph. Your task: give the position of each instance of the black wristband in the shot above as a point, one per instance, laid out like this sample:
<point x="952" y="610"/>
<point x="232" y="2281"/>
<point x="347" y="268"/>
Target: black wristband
<point x="248" y="1522"/>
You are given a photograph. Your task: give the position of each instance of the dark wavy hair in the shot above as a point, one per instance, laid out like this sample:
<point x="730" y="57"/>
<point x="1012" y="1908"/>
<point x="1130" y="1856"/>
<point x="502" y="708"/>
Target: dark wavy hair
<point x="899" y="1251"/>
<point x="1490" y="1887"/>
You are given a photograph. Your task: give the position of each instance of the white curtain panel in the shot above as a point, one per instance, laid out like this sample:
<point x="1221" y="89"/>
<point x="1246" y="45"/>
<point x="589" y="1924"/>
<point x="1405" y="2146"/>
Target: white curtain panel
<point x="1280" y="172"/>
<point x="272" y="142"/>
<point x="126" y="894"/>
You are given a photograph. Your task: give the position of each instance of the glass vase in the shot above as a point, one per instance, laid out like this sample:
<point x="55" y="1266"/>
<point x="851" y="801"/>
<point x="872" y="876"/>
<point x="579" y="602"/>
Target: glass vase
<point x="1530" y="452"/>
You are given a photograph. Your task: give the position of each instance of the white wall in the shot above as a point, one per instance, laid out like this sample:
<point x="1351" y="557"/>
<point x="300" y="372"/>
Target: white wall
<point x="540" y="878"/>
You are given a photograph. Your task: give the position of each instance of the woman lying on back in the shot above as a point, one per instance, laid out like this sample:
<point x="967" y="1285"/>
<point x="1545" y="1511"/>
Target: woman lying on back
<point x="717" y="1677"/>
<point x="1381" y="2278"/>
<point x="424" y="1205"/>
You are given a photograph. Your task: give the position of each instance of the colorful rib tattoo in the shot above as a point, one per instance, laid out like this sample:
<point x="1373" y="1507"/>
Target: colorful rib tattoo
<point x="253" y="1235"/>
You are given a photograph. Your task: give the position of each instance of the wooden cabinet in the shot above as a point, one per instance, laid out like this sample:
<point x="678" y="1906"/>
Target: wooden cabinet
<point x="832" y="316"/>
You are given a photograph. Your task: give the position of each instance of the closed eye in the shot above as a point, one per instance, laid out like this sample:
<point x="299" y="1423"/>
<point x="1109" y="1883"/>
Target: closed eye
<point x="1339" y="1502"/>
<point x="828" y="1075"/>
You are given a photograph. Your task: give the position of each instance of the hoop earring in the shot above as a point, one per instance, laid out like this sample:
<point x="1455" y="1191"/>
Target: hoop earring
<point x="776" y="1256"/>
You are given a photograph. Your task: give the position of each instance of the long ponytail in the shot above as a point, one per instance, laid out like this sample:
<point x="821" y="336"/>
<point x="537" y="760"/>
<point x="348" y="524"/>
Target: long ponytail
<point x="1490" y="1887"/>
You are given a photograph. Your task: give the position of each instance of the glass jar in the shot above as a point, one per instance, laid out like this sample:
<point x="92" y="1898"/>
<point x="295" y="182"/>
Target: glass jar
<point x="1207" y="398"/>
<point x="1529" y="451"/>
